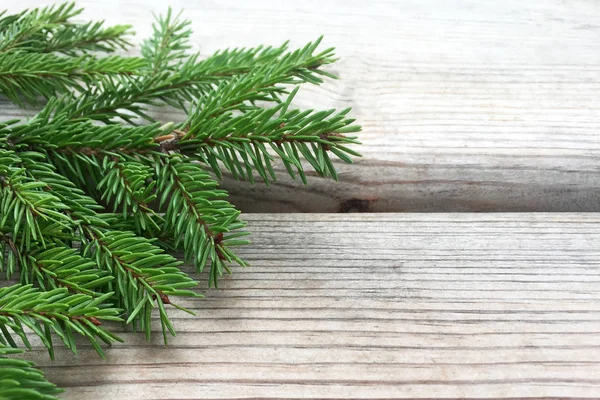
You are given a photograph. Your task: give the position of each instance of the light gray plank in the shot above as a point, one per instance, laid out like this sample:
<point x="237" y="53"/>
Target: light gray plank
<point x="466" y="105"/>
<point x="377" y="306"/>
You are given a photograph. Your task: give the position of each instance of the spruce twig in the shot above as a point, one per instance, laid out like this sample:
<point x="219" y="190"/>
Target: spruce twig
<point x="96" y="196"/>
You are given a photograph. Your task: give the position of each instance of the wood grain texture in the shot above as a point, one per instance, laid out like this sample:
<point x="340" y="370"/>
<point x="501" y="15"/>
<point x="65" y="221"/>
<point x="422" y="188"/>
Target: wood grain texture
<point x="466" y="105"/>
<point x="377" y="306"/>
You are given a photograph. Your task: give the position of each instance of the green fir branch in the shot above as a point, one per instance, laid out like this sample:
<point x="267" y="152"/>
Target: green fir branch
<point x="96" y="204"/>
<point x="125" y="96"/>
<point x="30" y="75"/>
<point x="29" y="29"/>
<point x="241" y="142"/>
<point x="168" y="43"/>
<point x="26" y="207"/>
<point x="198" y="216"/>
<point x="59" y="266"/>
<point x="72" y="40"/>
<point x="20" y="379"/>
<point x="54" y="313"/>
<point x="144" y="275"/>
<point x="51" y="29"/>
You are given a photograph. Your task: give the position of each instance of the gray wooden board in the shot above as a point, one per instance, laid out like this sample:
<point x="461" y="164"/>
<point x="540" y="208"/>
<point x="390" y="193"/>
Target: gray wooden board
<point x="466" y="105"/>
<point x="376" y="306"/>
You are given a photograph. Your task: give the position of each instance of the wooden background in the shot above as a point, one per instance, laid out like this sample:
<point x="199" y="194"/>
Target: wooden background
<point x="376" y="306"/>
<point x="466" y="105"/>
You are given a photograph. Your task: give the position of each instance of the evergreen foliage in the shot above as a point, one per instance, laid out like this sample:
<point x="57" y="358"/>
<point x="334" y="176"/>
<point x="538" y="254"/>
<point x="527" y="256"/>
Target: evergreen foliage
<point x="96" y="196"/>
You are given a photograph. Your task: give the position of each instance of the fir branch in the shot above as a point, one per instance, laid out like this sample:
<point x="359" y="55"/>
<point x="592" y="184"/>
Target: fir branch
<point x="54" y="311"/>
<point x="33" y="74"/>
<point x="81" y="207"/>
<point x="232" y="62"/>
<point x="58" y="266"/>
<point x="145" y="276"/>
<point x="92" y="36"/>
<point x="236" y="140"/>
<point x="125" y="183"/>
<point x="61" y="170"/>
<point x="168" y="42"/>
<point x="198" y="216"/>
<point x="20" y="379"/>
<point x="28" y="29"/>
<point x="154" y="282"/>
<point x="83" y="138"/>
<point x="86" y="154"/>
<point x="192" y="80"/>
<point x="50" y="30"/>
<point x="153" y="273"/>
<point x="26" y="207"/>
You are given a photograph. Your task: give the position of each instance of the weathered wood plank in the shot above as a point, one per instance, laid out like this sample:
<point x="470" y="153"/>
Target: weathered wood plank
<point x="377" y="306"/>
<point x="466" y="105"/>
